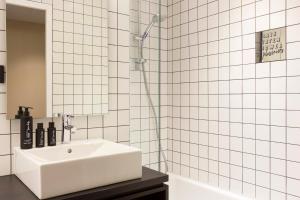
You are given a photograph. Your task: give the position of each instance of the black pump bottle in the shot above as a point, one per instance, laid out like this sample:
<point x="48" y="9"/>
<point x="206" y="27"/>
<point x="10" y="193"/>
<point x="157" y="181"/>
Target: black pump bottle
<point x="26" y="130"/>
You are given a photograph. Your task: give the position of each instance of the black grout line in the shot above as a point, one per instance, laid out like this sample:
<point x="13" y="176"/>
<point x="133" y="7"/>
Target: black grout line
<point x="73" y="68"/>
<point x="208" y="104"/>
<point x="10" y="147"/>
<point x="218" y="100"/>
<point x="286" y="108"/>
<point x="270" y="116"/>
<point x="242" y="98"/>
<point x="198" y="110"/>
<point x="63" y="58"/>
<point x="180" y="103"/>
<point x="149" y="78"/>
<point x="189" y="92"/>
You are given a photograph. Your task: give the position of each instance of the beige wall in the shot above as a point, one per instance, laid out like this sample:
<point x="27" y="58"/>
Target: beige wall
<point x="26" y="67"/>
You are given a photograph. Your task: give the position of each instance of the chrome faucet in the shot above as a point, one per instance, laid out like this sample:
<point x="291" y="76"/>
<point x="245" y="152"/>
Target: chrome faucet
<point x="67" y="129"/>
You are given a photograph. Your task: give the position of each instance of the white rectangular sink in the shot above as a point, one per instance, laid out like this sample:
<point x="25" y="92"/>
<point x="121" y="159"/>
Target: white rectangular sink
<point x="80" y="165"/>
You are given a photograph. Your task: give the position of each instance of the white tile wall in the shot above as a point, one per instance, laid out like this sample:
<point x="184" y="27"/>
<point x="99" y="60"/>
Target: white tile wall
<point x="226" y="121"/>
<point x="112" y="126"/>
<point x="241" y="121"/>
<point x="80" y="57"/>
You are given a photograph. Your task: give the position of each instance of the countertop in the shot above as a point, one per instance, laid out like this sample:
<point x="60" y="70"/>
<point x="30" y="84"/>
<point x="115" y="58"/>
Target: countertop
<point x="11" y="188"/>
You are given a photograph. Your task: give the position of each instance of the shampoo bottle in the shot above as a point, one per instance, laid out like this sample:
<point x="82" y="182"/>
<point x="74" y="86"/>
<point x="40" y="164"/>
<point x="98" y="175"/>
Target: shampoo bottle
<point x="40" y="136"/>
<point x="51" y="134"/>
<point x="26" y="130"/>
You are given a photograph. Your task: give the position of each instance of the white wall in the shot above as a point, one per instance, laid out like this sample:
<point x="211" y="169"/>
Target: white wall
<point x="233" y="123"/>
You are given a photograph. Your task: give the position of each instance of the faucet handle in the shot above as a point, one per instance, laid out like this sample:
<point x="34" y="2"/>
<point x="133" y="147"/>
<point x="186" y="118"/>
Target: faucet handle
<point x="67" y="119"/>
<point x="67" y="116"/>
<point x="69" y="127"/>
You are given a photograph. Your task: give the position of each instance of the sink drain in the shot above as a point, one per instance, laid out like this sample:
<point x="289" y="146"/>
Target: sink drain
<point x="69" y="150"/>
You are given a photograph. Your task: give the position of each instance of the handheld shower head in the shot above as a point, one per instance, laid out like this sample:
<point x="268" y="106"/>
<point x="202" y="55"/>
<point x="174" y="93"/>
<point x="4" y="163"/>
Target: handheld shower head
<point x="155" y="19"/>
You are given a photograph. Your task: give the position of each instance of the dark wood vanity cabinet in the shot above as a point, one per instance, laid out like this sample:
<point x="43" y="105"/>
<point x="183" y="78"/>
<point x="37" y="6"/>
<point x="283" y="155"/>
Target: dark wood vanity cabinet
<point x="150" y="187"/>
<point x="156" y="193"/>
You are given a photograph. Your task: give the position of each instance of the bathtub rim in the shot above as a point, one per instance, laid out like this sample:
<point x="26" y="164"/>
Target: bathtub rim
<point x="206" y="186"/>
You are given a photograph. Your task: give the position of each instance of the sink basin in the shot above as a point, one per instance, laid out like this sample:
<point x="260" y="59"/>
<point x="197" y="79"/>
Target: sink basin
<point x="80" y="165"/>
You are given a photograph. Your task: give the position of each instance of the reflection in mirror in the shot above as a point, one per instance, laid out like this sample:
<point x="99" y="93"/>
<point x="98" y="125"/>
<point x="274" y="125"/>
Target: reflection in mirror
<point x="26" y="64"/>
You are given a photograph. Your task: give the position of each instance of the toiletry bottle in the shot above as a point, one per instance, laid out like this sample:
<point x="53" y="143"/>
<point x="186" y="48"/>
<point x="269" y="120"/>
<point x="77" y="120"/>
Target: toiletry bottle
<point x="2" y="74"/>
<point x="26" y="130"/>
<point x="51" y="134"/>
<point x="40" y="136"/>
<point x="20" y="113"/>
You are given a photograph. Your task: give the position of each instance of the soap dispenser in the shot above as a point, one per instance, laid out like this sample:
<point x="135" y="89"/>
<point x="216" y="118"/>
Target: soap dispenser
<point x="19" y="113"/>
<point x="26" y="129"/>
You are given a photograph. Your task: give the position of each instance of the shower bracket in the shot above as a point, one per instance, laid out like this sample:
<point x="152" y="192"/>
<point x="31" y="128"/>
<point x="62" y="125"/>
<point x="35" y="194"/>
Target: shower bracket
<point x="139" y="62"/>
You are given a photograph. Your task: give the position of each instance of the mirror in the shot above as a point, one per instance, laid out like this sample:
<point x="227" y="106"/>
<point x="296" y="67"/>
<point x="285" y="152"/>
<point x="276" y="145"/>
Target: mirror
<point x="26" y="60"/>
<point x="57" y="60"/>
